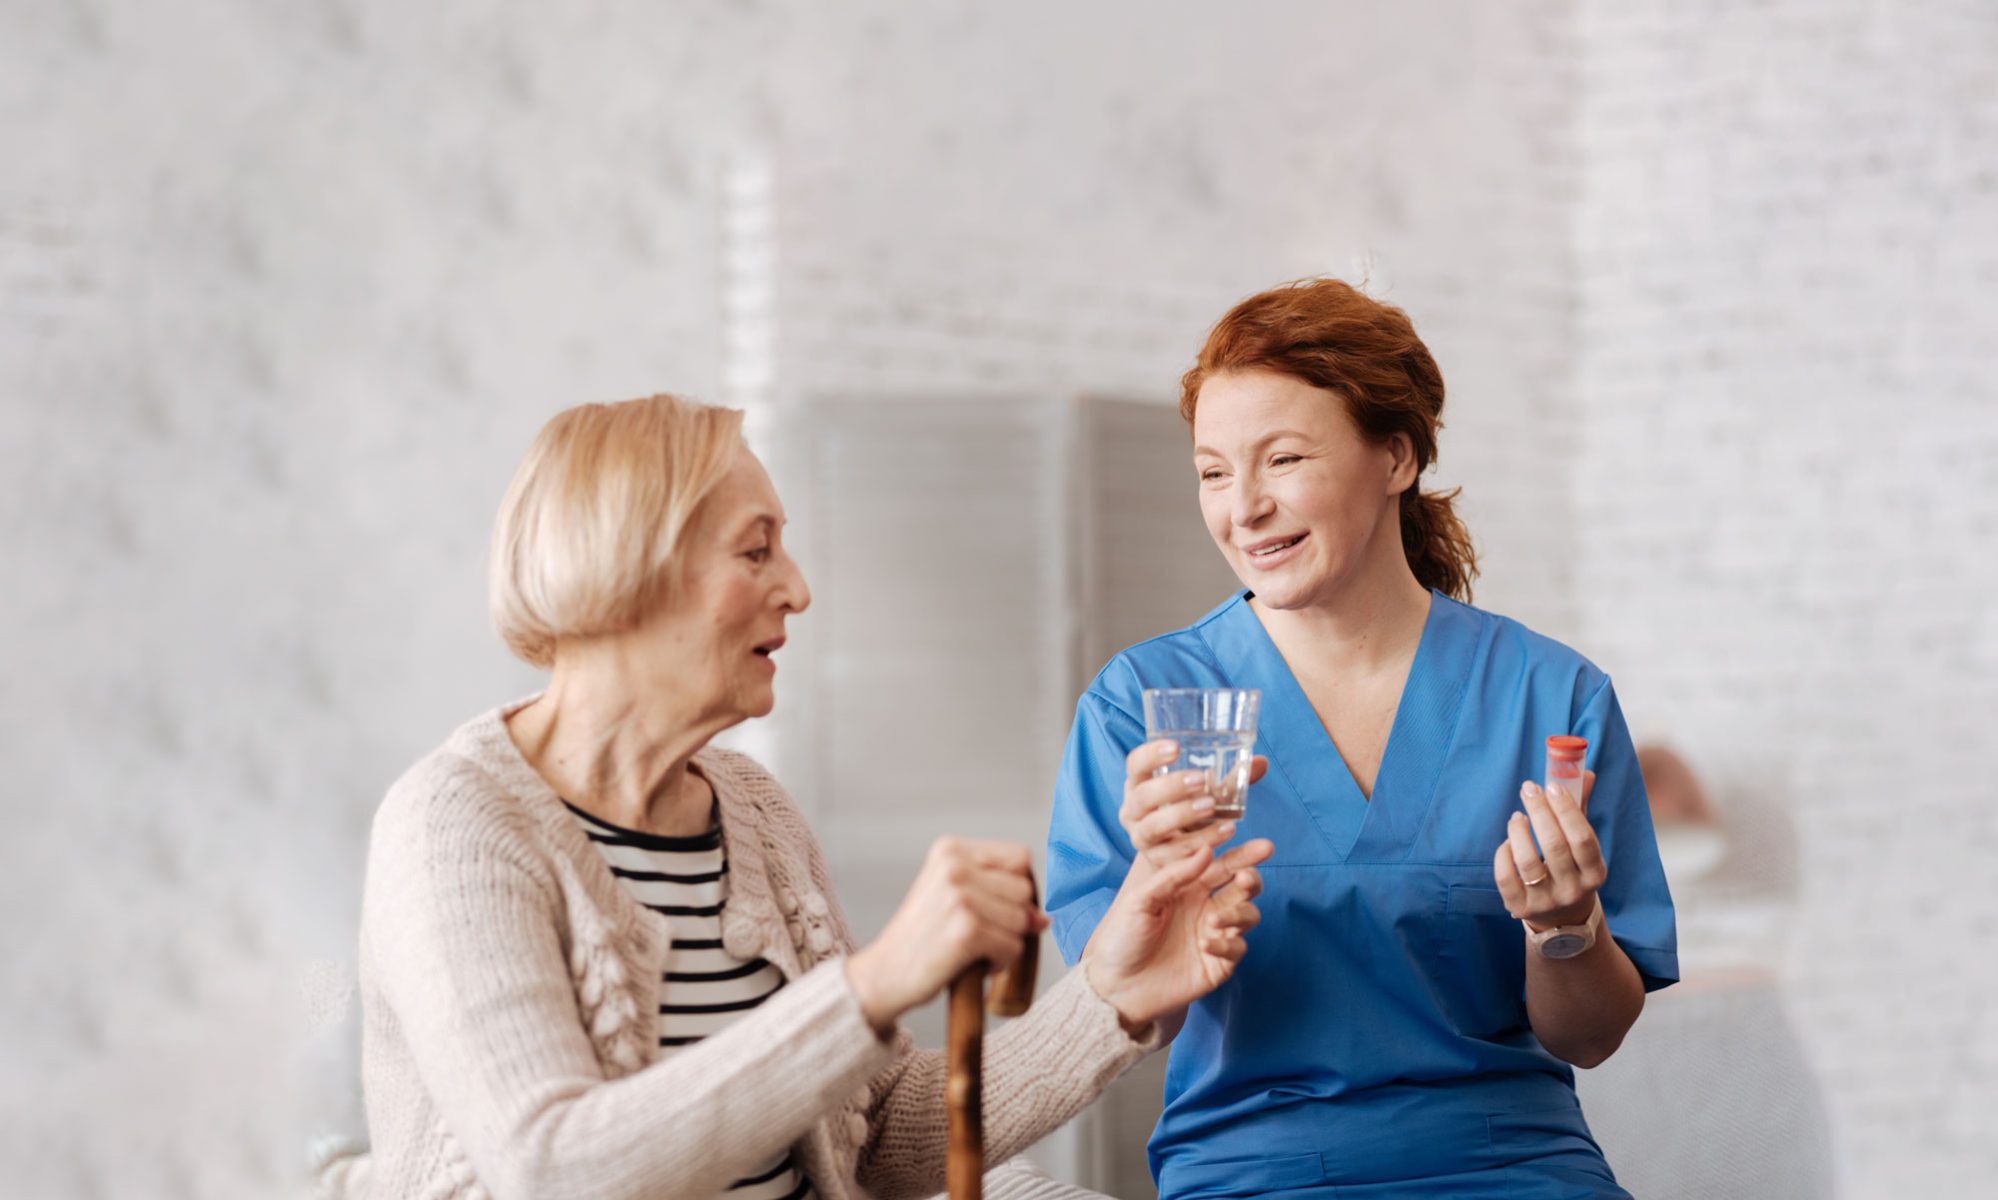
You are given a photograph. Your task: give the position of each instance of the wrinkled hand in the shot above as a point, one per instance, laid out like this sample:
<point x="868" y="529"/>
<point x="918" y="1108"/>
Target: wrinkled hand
<point x="1159" y="811"/>
<point x="973" y="901"/>
<point x="1174" y="933"/>
<point x="1555" y="884"/>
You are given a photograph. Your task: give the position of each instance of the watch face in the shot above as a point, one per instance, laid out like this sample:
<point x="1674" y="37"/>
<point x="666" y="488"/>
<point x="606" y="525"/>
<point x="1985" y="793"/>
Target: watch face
<point x="1564" y="945"/>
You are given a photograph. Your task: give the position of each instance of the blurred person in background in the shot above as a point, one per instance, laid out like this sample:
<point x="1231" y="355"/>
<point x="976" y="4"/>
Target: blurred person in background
<point x="1712" y="1098"/>
<point x="1442" y="942"/>
<point x="603" y="958"/>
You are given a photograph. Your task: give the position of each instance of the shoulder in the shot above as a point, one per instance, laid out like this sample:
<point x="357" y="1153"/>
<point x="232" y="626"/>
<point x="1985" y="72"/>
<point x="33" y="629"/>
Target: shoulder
<point x="1182" y="658"/>
<point x="449" y="808"/>
<point x="1509" y="648"/>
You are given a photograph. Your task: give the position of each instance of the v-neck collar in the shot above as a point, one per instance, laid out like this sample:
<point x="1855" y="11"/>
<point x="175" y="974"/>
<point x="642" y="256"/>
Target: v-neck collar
<point x="1298" y="746"/>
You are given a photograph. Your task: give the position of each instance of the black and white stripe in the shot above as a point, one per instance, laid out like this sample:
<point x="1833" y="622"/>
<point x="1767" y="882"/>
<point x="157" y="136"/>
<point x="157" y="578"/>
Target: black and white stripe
<point x="704" y="988"/>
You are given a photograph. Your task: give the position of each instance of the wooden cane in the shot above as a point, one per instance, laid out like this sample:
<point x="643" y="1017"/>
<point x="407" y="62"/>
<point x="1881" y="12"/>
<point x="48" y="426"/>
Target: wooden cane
<point x="1012" y="992"/>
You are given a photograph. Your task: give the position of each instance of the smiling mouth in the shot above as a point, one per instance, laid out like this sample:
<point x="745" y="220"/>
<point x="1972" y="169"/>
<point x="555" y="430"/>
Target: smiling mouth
<point x="1265" y="549"/>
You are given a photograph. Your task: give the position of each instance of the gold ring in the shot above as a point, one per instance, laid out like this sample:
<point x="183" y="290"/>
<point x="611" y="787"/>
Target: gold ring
<point x="1534" y="882"/>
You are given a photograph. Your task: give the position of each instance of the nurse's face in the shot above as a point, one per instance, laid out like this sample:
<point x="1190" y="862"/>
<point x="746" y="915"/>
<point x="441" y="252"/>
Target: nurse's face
<point x="1301" y="505"/>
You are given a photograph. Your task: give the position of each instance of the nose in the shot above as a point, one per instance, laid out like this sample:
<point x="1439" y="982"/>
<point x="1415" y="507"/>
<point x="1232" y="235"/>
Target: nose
<point x="794" y="594"/>
<point x="1250" y="504"/>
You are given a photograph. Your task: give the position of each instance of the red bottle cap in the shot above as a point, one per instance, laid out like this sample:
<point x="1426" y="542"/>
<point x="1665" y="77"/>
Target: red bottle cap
<point x="1567" y="747"/>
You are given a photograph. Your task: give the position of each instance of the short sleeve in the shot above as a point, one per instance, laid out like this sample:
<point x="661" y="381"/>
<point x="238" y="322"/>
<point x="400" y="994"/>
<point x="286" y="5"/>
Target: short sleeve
<point x="1637" y="904"/>
<point x="1088" y="851"/>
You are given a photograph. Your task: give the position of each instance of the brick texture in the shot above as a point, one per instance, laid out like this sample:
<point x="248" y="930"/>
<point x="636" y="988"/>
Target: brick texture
<point x="284" y="290"/>
<point x="1788" y="275"/>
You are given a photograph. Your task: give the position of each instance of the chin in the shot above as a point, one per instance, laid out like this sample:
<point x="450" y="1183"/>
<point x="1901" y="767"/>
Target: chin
<point x="1279" y="593"/>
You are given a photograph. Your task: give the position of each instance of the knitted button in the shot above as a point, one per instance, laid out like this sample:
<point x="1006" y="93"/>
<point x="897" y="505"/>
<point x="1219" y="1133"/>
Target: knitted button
<point x="741" y="939"/>
<point x="856" y="1129"/>
<point x="819" y="939"/>
<point x="815" y="904"/>
<point x="787" y="899"/>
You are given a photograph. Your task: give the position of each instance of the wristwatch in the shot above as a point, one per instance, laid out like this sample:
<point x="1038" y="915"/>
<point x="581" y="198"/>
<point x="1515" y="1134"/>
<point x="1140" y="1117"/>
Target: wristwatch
<point x="1566" y="941"/>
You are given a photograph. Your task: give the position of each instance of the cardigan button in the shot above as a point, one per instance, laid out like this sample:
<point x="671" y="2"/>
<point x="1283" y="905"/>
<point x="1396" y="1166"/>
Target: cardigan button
<point x="856" y="1129"/>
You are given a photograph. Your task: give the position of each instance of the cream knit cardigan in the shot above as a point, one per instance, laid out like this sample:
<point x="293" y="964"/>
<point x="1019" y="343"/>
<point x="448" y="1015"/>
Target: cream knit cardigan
<point x="509" y="987"/>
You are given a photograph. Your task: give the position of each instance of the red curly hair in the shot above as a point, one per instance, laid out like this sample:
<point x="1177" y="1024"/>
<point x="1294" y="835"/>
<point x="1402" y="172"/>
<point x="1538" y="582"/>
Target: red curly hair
<point x="1332" y="336"/>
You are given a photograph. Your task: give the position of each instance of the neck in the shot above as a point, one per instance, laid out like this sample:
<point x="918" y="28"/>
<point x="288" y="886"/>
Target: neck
<point x="616" y="749"/>
<point x="1371" y="624"/>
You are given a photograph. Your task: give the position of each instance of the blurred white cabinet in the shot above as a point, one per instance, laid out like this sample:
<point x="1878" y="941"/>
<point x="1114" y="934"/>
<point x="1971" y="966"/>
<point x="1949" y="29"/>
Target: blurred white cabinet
<point x="942" y="617"/>
<point x="973" y="562"/>
<point x="1145" y="565"/>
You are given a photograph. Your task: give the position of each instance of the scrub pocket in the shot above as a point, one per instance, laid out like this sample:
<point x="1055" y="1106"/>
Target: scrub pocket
<point x="1241" y="1176"/>
<point x="1552" y="1135"/>
<point x="1478" y="950"/>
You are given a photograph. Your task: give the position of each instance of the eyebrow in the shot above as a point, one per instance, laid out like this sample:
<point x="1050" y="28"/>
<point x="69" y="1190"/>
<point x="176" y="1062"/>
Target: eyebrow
<point x="1266" y="439"/>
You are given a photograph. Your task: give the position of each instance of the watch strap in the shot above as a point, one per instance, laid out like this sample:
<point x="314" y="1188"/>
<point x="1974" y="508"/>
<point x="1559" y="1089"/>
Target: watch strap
<point x="1588" y="930"/>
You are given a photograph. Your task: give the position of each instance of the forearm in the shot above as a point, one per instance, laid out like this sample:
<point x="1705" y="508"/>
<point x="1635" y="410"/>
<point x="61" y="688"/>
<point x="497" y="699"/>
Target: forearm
<point x="1581" y="1007"/>
<point x="537" y="1127"/>
<point x="1019" y="1179"/>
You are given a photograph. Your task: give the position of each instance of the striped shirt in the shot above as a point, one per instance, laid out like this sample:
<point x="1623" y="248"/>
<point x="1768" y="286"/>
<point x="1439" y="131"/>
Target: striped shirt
<point x="704" y="988"/>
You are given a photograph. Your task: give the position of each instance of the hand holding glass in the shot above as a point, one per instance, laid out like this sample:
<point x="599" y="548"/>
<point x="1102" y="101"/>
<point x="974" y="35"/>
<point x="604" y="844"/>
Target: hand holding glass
<point x="1216" y="732"/>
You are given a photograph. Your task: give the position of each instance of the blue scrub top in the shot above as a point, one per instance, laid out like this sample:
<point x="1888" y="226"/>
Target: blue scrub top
<point x="1373" y="1041"/>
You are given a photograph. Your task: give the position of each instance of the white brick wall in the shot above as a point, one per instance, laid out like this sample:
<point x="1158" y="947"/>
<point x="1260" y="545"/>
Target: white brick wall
<point x="285" y="289"/>
<point x="1063" y="198"/>
<point x="1788" y="266"/>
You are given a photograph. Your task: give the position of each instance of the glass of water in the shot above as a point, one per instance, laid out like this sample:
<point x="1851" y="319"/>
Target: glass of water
<point x="1216" y="732"/>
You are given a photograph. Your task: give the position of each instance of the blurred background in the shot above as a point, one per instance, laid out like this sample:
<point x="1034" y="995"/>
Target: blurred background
<point x="286" y="287"/>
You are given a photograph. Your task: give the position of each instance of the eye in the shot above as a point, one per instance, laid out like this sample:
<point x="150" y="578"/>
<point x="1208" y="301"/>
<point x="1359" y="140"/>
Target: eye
<point x="758" y="555"/>
<point x="1284" y="460"/>
<point x="1210" y="474"/>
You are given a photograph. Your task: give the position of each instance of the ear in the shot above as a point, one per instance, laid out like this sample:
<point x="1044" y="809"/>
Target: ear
<point x="1402" y="471"/>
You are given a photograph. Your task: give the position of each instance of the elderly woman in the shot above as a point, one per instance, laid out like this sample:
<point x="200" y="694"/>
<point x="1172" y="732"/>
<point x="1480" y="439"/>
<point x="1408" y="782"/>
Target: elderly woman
<point x="601" y="958"/>
<point x="1445" y="938"/>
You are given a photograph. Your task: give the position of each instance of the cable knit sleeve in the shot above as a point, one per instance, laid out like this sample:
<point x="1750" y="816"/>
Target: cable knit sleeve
<point x="462" y="934"/>
<point x="1020" y="1179"/>
<point x="1040" y="1070"/>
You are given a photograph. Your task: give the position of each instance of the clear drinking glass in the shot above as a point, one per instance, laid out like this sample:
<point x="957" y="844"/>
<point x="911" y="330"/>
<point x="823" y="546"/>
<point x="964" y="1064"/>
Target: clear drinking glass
<point x="1216" y="732"/>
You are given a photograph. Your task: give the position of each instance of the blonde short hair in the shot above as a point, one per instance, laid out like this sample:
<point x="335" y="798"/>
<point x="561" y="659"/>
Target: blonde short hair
<point x="587" y="535"/>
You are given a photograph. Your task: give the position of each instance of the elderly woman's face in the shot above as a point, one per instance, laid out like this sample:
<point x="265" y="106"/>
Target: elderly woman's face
<point x="720" y="633"/>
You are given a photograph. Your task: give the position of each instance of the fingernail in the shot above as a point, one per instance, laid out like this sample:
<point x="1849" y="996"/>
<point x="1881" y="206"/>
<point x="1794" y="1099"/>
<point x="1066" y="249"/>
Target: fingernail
<point x="1168" y="749"/>
<point x="1226" y="830"/>
<point x="1204" y="804"/>
<point x="1526" y="790"/>
<point x="1193" y="781"/>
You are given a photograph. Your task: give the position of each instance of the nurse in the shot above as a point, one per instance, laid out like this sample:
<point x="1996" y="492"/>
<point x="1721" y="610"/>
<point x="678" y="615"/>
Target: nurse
<point x="1399" y="1025"/>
